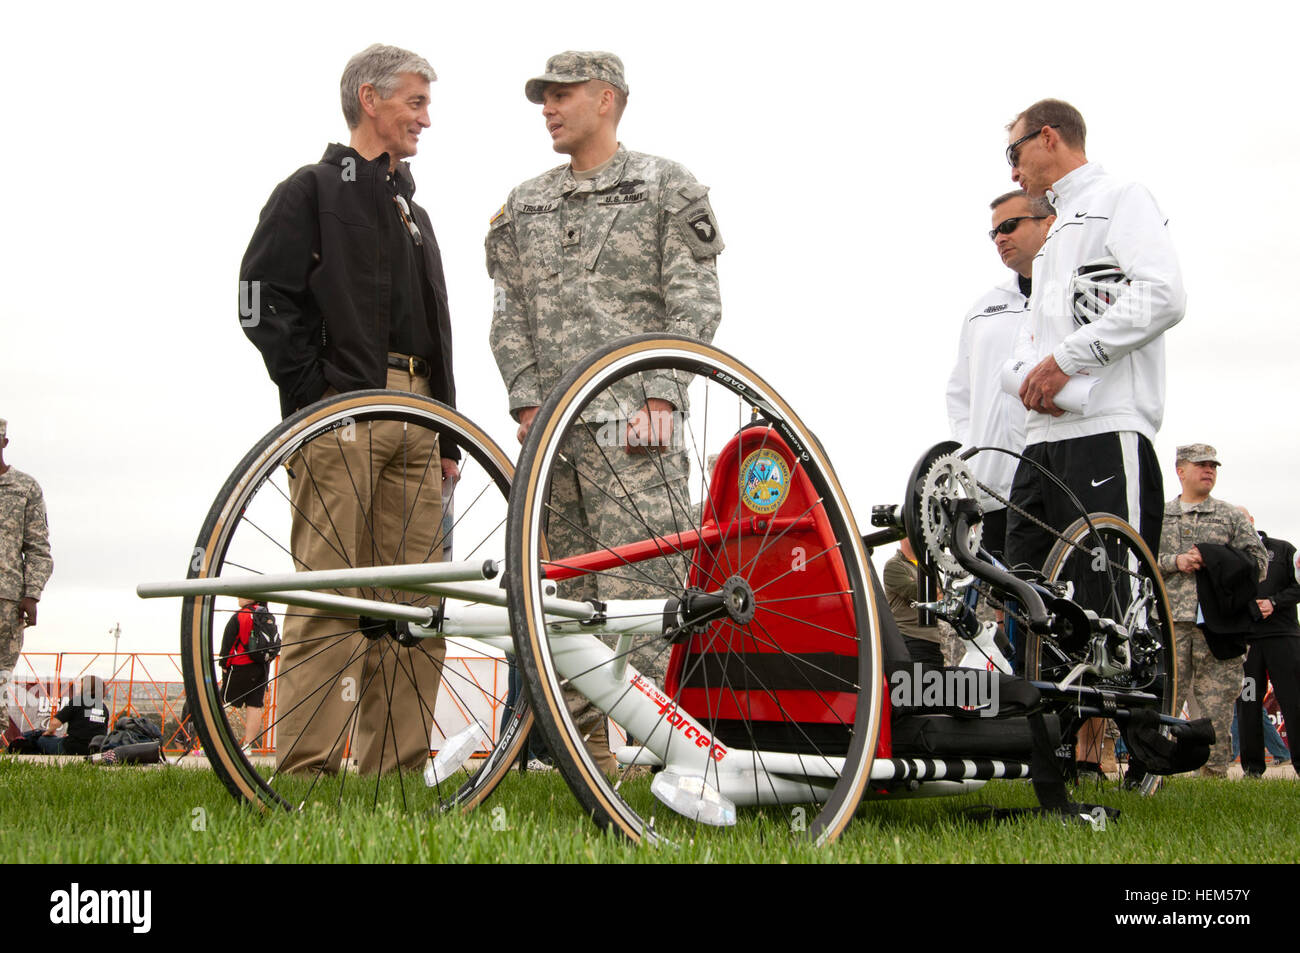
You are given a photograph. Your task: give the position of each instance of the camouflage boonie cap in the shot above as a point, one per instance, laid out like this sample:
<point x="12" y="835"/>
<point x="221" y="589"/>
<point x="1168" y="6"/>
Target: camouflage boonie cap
<point x="577" y="67"/>
<point x="1198" y="453"/>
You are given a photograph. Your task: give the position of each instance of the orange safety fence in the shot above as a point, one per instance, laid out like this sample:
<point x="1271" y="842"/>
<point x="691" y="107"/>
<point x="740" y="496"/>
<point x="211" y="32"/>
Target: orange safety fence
<point x="151" y="685"/>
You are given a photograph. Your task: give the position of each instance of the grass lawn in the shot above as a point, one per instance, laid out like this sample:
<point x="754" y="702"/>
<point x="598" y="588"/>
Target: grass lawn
<point x="82" y="813"/>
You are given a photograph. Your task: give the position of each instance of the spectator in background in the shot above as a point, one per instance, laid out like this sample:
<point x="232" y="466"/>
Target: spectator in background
<point x="86" y="716"/>
<point x="1274" y="652"/>
<point x="925" y="644"/>
<point x="1190" y="518"/>
<point x="243" y="681"/>
<point x="25" y="565"/>
<point x="1273" y="742"/>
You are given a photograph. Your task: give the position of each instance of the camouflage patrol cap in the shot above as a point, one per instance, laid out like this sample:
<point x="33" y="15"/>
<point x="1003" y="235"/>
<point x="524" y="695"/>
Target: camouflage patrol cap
<point x="4" y="427"/>
<point x="1197" y="453"/>
<point x="577" y="67"/>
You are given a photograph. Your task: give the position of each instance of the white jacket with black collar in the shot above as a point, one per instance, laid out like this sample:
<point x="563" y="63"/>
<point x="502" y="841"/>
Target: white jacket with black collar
<point x="980" y="412"/>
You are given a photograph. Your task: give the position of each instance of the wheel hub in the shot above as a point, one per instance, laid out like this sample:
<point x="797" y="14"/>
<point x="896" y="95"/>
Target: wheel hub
<point x="738" y="599"/>
<point x="734" y="600"/>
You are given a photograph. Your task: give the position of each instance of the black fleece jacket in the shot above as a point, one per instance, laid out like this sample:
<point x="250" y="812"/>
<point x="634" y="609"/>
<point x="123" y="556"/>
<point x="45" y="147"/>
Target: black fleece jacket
<point x="320" y="255"/>
<point x="1279" y="585"/>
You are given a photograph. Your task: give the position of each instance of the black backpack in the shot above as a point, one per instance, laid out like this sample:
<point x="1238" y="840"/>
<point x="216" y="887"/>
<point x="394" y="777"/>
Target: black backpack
<point x="127" y="730"/>
<point x="264" y="636"/>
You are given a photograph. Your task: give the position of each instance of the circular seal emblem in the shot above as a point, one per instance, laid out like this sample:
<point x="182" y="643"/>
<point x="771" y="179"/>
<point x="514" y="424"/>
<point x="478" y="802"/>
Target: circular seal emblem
<point x="764" y="481"/>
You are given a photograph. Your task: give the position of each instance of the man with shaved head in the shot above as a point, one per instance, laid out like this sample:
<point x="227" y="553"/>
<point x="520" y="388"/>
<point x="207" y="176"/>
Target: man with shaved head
<point x="609" y="244"/>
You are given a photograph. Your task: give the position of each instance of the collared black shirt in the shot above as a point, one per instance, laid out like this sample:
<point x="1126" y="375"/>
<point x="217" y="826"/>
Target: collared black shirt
<point x="412" y="311"/>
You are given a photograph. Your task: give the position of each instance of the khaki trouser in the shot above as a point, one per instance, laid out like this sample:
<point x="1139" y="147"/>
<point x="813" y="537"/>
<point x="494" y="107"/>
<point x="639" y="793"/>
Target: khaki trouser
<point x="372" y="500"/>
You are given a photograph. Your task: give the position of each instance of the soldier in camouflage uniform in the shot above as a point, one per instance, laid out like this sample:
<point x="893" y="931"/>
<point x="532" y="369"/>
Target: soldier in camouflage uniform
<point x="1196" y="517"/>
<point x="25" y="565"/>
<point x="610" y="244"/>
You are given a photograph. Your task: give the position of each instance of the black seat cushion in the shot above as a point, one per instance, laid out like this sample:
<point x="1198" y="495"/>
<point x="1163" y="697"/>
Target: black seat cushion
<point x="949" y="736"/>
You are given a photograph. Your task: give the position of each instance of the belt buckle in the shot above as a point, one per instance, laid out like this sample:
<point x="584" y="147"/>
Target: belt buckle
<point x="410" y="365"/>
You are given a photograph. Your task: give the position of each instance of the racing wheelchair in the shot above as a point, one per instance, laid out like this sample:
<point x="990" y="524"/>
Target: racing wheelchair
<point x="728" y="553"/>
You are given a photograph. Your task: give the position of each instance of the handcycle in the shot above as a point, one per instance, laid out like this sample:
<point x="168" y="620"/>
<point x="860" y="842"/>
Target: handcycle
<point x="753" y="580"/>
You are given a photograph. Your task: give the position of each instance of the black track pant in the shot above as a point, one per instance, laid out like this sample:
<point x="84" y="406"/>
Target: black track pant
<point x="1110" y="473"/>
<point x="1276" y="657"/>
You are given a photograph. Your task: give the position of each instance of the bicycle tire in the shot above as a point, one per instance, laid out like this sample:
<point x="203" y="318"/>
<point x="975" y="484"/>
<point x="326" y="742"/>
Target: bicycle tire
<point x="1154" y="665"/>
<point x="248" y="529"/>
<point x="617" y="372"/>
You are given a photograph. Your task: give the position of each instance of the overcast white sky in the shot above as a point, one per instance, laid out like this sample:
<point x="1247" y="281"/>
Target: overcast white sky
<point x="851" y="152"/>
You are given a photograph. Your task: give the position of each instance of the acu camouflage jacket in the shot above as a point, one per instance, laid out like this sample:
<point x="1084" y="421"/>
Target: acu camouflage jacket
<point x="1210" y="521"/>
<point x="25" y="563"/>
<point x="579" y="263"/>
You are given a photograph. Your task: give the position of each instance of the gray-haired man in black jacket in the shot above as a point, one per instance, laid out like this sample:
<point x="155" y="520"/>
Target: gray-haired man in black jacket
<point x="342" y="289"/>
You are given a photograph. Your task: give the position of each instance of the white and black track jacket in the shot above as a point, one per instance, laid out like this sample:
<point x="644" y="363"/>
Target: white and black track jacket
<point x="980" y="413"/>
<point x="1097" y="215"/>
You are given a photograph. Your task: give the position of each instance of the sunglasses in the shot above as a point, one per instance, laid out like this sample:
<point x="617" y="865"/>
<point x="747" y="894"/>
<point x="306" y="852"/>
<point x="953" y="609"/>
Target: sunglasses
<point x="1013" y="150"/>
<point x="1011" y="224"/>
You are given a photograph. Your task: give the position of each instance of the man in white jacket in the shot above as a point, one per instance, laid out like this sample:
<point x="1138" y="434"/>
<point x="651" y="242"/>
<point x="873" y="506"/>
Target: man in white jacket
<point x="980" y="413"/>
<point x="1113" y="337"/>
<point x="1108" y="332"/>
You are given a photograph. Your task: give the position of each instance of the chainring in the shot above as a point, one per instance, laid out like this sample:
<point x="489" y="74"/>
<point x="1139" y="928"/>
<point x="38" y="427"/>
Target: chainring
<point x="948" y="480"/>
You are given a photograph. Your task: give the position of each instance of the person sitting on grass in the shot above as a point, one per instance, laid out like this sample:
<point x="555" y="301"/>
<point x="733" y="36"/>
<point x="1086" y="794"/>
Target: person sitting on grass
<point x="85" y="714"/>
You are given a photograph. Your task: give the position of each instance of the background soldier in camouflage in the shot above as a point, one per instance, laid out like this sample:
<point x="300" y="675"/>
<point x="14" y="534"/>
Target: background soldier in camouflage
<point x="611" y="244"/>
<point x="25" y="565"/>
<point x="1190" y="518"/>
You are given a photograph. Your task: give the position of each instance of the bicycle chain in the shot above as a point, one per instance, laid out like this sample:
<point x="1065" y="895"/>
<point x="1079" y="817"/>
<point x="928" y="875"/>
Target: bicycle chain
<point x="986" y="591"/>
<point x="1043" y="526"/>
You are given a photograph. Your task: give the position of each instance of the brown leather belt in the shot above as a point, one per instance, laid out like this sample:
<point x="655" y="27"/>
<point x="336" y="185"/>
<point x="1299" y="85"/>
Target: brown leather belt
<point x="415" y="366"/>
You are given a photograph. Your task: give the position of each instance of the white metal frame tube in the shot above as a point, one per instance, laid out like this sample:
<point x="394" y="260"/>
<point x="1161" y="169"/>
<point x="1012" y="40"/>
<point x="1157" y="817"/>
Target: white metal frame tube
<point x="388" y="577"/>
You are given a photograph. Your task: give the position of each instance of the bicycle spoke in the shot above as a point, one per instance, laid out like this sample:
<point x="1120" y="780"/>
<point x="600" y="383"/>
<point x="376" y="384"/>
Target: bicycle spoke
<point x="379" y="483"/>
<point x="759" y="665"/>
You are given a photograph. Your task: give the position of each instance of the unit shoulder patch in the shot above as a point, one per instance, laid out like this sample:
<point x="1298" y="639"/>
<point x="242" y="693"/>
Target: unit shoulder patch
<point x="698" y="228"/>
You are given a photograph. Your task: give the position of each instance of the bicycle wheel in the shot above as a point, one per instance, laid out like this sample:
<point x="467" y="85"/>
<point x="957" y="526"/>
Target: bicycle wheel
<point x="1125" y="586"/>
<point x="728" y="500"/>
<point x="352" y="706"/>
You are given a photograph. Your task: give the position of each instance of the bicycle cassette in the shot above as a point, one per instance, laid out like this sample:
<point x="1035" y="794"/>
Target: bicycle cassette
<point x="948" y="480"/>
